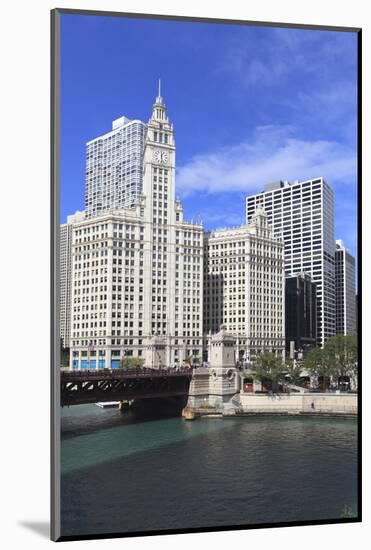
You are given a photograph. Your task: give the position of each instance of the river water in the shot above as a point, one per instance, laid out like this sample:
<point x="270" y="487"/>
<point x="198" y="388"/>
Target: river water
<point x="121" y="474"/>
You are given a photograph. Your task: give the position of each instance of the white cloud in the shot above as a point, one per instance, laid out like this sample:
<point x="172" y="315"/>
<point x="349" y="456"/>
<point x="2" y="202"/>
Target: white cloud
<point x="274" y="153"/>
<point x="313" y="73"/>
<point x="265" y="59"/>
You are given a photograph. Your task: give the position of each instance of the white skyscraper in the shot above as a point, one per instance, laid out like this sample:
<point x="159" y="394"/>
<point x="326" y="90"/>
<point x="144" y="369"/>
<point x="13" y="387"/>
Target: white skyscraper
<point x="345" y="290"/>
<point x="137" y="272"/>
<point x="303" y="213"/>
<point x="65" y="259"/>
<point x="244" y="287"/>
<point x="114" y="167"/>
<point x="65" y="242"/>
<point x="114" y="179"/>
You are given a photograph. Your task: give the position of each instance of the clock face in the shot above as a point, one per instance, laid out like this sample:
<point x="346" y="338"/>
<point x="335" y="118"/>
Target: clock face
<point x="160" y="156"/>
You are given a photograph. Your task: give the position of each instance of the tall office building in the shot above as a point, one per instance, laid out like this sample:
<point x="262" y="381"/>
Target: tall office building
<point x="114" y="167"/>
<point x="65" y="261"/>
<point x="301" y="313"/>
<point x="244" y="287"/>
<point x="137" y="272"/>
<point x="65" y="242"/>
<point x="303" y="214"/>
<point x="346" y="320"/>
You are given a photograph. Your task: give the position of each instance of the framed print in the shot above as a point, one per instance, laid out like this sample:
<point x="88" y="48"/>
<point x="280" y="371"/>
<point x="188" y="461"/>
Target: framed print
<point x="206" y="287"/>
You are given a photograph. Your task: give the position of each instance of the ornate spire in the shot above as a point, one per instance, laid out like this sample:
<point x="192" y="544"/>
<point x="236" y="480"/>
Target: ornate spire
<point x="159" y="100"/>
<point x="159" y="107"/>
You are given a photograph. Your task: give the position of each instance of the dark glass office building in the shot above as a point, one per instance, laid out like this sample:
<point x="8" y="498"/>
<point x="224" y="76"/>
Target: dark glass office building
<point x="301" y="313"/>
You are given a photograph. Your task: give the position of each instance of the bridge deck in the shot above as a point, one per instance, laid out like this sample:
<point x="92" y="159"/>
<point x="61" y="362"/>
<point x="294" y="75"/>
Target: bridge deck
<point x="122" y="384"/>
<point x="109" y="374"/>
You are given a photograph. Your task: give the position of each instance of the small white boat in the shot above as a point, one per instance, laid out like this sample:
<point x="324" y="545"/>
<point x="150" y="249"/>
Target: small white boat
<point x="108" y="404"/>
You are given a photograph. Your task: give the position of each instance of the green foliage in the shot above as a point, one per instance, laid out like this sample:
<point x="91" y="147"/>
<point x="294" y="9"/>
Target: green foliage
<point x="342" y="352"/>
<point x="347" y="512"/>
<point x="318" y="363"/>
<point x="131" y="362"/>
<point x="65" y="358"/>
<point x="65" y="355"/>
<point x="337" y="358"/>
<point x="294" y="371"/>
<point x="269" y="367"/>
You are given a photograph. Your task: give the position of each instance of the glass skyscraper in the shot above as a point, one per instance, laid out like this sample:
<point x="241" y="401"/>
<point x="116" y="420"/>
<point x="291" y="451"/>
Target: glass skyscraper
<point x="303" y="214"/>
<point x="114" y="167"/>
<point x="345" y="290"/>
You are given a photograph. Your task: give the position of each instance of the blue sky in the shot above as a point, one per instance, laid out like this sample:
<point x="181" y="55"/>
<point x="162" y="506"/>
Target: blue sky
<point x="250" y="105"/>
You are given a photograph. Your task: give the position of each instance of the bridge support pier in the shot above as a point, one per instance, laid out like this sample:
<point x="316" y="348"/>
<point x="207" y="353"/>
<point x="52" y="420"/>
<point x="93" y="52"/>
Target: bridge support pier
<point x="124" y="406"/>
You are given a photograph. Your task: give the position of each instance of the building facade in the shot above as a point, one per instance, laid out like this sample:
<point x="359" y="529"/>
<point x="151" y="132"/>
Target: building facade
<point x="244" y="287"/>
<point x="346" y="316"/>
<point x="137" y="272"/>
<point x="301" y="314"/>
<point x="303" y="214"/>
<point x="114" y="167"/>
<point x="65" y="273"/>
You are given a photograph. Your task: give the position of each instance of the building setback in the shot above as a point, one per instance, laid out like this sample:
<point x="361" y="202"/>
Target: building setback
<point x="301" y="315"/>
<point x="244" y="287"/>
<point x="303" y="214"/>
<point x="114" y="167"/>
<point x="137" y="272"/>
<point x="346" y="318"/>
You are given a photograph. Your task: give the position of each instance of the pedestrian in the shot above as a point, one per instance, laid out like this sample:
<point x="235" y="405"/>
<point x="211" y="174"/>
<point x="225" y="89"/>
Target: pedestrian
<point x="312" y="405"/>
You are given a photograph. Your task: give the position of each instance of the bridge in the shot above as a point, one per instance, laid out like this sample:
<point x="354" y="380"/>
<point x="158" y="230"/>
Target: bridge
<point x="79" y="387"/>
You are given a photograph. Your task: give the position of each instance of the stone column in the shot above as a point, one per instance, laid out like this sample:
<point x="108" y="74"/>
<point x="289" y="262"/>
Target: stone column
<point x="168" y="353"/>
<point x="237" y="352"/>
<point x="108" y="358"/>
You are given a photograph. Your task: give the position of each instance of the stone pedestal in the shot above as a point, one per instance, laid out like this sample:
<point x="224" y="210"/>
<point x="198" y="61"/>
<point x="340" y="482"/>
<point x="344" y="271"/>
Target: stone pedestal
<point x="198" y="394"/>
<point x="217" y="384"/>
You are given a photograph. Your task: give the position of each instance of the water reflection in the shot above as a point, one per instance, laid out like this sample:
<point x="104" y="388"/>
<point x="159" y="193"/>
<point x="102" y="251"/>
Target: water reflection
<point x="121" y="474"/>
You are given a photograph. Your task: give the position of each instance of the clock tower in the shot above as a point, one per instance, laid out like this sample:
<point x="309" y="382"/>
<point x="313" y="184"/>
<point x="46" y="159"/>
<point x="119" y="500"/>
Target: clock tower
<point x="160" y="215"/>
<point x="159" y="164"/>
<point x="173" y="248"/>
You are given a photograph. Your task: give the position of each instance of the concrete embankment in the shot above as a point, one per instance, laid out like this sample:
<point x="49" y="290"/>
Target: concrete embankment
<point x="304" y="403"/>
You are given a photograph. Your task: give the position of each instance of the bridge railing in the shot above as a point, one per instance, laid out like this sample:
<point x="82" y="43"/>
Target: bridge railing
<point x="125" y="372"/>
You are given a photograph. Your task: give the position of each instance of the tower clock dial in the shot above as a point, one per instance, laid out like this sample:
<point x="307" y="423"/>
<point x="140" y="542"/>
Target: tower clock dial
<point x="161" y="157"/>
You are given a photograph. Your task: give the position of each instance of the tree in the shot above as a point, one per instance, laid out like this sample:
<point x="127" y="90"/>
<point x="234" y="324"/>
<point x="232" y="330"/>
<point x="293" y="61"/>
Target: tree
<point x="342" y="354"/>
<point x="319" y="364"/>
<point x="131" y="362"/>
<point x="270" y="368"/>
<point x="65" y="355"/>
<point x="294" y="371"/>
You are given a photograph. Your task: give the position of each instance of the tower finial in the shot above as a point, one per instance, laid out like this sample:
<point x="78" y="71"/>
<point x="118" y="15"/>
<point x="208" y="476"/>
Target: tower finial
<point x="159" y="87"/>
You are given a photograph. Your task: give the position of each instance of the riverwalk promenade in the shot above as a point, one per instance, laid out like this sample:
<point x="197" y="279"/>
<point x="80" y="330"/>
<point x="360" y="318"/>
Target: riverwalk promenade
<point x="304" y="404"/>
<point x="313" y="403"/>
